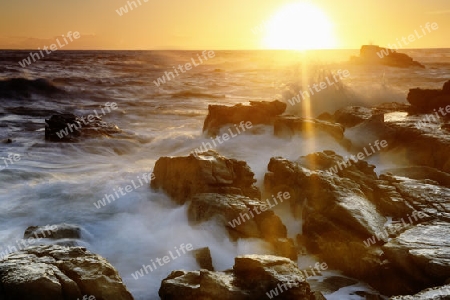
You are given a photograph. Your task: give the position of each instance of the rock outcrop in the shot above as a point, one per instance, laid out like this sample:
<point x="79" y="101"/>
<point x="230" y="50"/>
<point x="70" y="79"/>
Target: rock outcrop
<point x="424" y="100"/>
<point x="70" y="128"/>
<point x="345" y="221"/>
<point x="436" y="293"/>
<point x="252" y="277"/>
<point x="375" y="55"/>
<point x="59" y="273"/>
<point x="183" y="177"/>
<point x="263" y="112"/>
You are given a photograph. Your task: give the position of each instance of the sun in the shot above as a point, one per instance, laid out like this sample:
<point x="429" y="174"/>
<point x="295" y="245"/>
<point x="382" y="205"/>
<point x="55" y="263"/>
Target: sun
<point x="299" y="26"/>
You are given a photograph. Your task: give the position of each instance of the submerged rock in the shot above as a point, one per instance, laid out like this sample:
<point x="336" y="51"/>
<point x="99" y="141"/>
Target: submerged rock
<point x="183" y="177"/>
<point x="263" y="112"/>
<point x="252" y="277"/>
<point x="59" y="273"/>
<point x="375" y="55"/>
<point x="70" y="128"/>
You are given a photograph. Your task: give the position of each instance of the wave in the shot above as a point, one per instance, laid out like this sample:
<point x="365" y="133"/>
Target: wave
<point x="191" y="94"/>
<point x="24" y="88"/>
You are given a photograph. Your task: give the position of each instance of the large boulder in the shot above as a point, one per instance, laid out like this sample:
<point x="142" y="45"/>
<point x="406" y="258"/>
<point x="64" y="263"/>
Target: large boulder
<point x="375" y="55"/>
<point x="425" y="100"/>
<point x="59" y="273"/>
<point x="345" y="220"/>
<point x="263" y="112"/>
<point x="435" y="293"/>
<point x="183" y="177"/>
<point x="252" y="277"/>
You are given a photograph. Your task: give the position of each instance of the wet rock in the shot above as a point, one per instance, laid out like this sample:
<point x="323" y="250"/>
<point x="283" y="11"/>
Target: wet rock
<point x="344" y="215"/>
<point x="435" y="293"/>
<point x="54" y="272"/>
<point x="183" y="177"/>
<point x="352" y="115"/>
<point x="71" y="128"/>
<point x="425" y="100"/>
<point x="375" y="55"/>
<point x="204" y="259"/>
<point x="288" y="126"/>
<point x="60" y="231"/>
<point x="252" y="277"/>
<point x="263" y="112"/>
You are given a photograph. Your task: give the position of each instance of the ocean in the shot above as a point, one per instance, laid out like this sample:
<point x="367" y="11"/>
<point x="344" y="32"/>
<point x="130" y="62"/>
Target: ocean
<point x="52" y="183"/>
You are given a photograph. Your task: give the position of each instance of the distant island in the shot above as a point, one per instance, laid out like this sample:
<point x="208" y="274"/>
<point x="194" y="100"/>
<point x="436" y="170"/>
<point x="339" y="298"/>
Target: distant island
<point x="375" y="55"/>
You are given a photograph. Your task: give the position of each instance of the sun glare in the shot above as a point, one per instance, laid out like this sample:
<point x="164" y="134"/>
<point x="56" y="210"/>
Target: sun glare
<point x="299" y="26"/>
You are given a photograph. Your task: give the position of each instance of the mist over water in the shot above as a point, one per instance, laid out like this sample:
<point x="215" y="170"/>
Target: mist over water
<point x="60" y="182"/>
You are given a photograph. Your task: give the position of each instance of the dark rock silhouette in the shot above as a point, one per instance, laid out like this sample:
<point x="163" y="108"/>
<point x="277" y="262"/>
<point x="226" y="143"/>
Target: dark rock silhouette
<point x="375" y="55"/>
<point x="425" y="100"/>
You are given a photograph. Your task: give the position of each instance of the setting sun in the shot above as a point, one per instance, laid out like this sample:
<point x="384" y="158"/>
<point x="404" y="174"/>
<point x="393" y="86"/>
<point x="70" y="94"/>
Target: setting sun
<point x="299" y="26"/>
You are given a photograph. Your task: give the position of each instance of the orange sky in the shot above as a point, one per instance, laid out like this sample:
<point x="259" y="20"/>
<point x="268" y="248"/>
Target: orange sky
<point x="217" y="24"/>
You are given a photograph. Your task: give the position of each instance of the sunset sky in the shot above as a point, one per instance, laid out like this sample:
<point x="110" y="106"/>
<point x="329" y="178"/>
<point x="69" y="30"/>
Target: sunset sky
<point x="221" y="24"/>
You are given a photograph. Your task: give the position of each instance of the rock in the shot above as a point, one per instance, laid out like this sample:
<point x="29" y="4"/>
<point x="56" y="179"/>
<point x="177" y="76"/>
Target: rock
<point x="375" y="55"/>
<point x="435" y="293"/>
<point x="263" y="112"/>
<point x="60" y="231"/>
<point x="425" y="100"/>
<point x="7" y="141"/>
<point x="352" y="115"/>
<point x="70" y="128"/>
<point x="204" y="259"/>
<point x="344" y="220"/>
<point x="287" y="126"/>
<point x="183" y="177"/>
<point x="54" y="272"/>
<point x="252" y="277"/>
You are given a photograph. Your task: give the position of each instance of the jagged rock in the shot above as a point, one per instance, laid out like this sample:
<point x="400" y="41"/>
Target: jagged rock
<point x="352" y="115"/>
<point x="435" y="293"/>
<point x="372" y="54"/>
<point x="263" y="112"/>
<point x="292" y="125"/>
<point x="252" y="277"/>
<point x="204" y="259"/>
<point x="425" y="100"/>
<point x="70" y="128"/>
<point x="60" y="231"/>
<point x="343" y="211"/>
<point x="57" y="273"/>
<point x="208" y="172"/>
